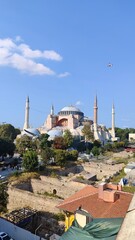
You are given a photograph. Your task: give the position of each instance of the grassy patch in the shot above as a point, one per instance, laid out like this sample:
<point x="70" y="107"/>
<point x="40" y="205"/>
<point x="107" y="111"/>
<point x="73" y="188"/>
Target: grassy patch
<point x="119" y="160"/>
<point x="117" y="178"/>
<point x="23" y="177"/>
<point x="47" y="194"/>
<point x="54" y="175"/>
<point x="80" y="177"/>
<point x="108" y="154"/>
<point x="130" y="189"/>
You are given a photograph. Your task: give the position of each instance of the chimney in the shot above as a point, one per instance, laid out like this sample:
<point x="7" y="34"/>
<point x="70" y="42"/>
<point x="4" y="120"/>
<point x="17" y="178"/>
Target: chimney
<point x="108" y="192"/>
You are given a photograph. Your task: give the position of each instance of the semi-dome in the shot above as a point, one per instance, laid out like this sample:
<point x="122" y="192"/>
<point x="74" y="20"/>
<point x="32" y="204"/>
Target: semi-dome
<point x="70" y="110"/>
<point x="31" y="132"/>
<point x="54" y="133"/>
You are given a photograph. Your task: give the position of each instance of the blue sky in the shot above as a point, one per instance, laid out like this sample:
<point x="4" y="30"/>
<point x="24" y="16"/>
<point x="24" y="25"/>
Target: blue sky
<point x="57" y="52"/>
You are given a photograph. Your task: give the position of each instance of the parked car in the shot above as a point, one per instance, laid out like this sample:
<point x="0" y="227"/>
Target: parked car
<point x="2" y="177"/>
<point x="5" y="236"/>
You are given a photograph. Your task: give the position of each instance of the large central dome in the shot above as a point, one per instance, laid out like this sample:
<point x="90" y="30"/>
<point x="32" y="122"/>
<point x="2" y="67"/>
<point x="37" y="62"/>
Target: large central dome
<point x="70" y="110"/>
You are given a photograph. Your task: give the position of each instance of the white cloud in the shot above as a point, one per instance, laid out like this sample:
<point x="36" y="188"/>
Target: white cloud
<point x="7" y="43"/>
<point x="65" y="74"/>
<point x="27" y="52"/>
<point x="18" y="39"/>
<point x="22" y="57"/>
<point x="48" y="54"/>
<point x="78" y="103"/>
<point x="52" y="55"/>
<point x="29" y="66"/>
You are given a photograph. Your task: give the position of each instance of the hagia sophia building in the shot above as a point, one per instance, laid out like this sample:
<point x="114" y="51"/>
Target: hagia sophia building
<point x="71" y="118"/>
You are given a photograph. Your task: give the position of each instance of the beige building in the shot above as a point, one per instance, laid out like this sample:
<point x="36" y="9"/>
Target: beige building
<point x="72" y="118"/>
<point x="69" y="117"/>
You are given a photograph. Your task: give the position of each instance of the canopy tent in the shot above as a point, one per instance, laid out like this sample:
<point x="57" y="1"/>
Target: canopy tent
<point x="105" y="229"/>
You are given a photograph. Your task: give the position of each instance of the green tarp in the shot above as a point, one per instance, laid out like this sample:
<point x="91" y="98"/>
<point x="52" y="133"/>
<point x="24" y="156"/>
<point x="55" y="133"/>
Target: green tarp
<point x="105" y="229"/>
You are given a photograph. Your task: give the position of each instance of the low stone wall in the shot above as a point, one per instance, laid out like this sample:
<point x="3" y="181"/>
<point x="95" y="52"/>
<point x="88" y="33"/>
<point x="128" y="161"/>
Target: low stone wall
<point x="20" y="198"/>
<point x="30" y="194"/>
<point x="63" y="188"/>
<point x="101" y="169"/>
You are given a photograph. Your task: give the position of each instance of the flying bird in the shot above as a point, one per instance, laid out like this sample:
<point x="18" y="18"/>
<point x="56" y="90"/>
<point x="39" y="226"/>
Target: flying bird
<point x="109" y="65"/>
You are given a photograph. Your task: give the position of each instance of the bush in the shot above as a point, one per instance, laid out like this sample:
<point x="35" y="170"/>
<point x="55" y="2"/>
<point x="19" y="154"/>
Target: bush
<point x="59" y="216"/>
<point x="16" y="174"/>
<point x="30" y="161"/>
<point x="72" y="155"/>
<point x="24" y="177"/>
<point x="60" y="157"/>
<point x="95" y="151"/>
<point x="41" y="168"/>
<point x="117" y="178"/>
<point x="53" y="175"/>
<point x="3" y="197"/>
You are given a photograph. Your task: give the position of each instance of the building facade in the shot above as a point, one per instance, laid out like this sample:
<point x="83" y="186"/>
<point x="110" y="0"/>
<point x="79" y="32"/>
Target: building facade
<point x="72" y="118"/>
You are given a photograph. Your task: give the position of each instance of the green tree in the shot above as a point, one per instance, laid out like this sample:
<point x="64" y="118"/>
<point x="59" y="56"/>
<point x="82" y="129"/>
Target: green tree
<point x="44" y="142"/>
<point x="73" y="155"/>
<point x="6" y="147"/>
<point x="60" y="157"/>
<point x="59" y="143"/>
<point x="88" y="133"/>
<point x="108" y="147"/>
<point x="46" y="154"/>
<point x="68" y="138"/>
<point x="81" y="146"/>
<point x="3" y="197"/>
<point x="95" y="150"/>
<point x="25" y="143"/>
<point x="97" y="143"/>
<point x="7" y="131"/>
<point x="30" y="161"/>
<point x="123" y="133"/>
<point x="17" y="131"/>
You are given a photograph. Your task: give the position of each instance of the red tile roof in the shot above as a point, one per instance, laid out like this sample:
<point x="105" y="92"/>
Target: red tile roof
<point x="88" y="199"/>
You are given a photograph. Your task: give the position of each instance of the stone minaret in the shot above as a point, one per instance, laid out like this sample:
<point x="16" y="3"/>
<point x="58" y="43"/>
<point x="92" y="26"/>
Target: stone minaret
<point x="95" y="114"/>
<point x="52" y="110"/>
<point x="27" y="108"/>
<point x="113" y="121"/>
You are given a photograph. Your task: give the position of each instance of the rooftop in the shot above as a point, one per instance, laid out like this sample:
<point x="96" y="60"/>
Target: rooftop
<point x="70" y="108"/>
<point x="88" y="198"/>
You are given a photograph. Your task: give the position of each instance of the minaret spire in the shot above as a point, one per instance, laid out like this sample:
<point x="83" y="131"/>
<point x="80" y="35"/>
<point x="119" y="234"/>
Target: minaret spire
<point x="95" y="113"/>
<point x="113" y="121"/>
<point x="52" y="110"/>
<point x="26" y="121"/>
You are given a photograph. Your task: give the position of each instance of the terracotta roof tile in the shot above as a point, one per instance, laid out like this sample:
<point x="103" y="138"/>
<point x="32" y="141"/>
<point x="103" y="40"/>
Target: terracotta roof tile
<point x="85" y="192"/>
<point x="88" y="199"/>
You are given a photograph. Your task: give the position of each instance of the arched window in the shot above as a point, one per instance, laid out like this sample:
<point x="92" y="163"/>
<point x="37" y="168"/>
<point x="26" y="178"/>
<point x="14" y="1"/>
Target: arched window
<point x="54" y="191"/>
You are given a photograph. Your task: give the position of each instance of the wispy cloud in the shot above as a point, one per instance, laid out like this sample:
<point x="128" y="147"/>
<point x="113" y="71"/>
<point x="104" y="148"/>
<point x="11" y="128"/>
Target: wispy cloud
<point x="78" y="103"/>
<point x="20" y="56"/>
<point x="65" y="74"/>
<point x="18" y="39"/>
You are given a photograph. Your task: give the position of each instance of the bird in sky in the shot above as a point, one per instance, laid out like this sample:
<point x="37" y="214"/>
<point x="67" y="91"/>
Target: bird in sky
<point x="109" y="65"/>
